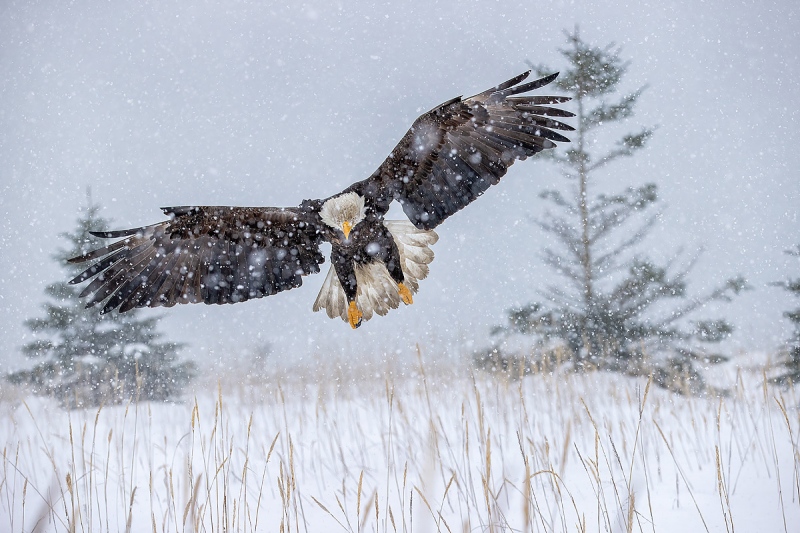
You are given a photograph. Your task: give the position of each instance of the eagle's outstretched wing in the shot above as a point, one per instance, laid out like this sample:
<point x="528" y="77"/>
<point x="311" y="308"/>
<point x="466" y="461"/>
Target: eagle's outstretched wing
<point x="454" y="152"/>
<point x="214" y="255"/>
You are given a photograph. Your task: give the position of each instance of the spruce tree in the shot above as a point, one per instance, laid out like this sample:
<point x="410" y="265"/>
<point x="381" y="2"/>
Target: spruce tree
<point x="613" y="312"/>
<point x="84" y="358"/>
<point x="790" y="359"/>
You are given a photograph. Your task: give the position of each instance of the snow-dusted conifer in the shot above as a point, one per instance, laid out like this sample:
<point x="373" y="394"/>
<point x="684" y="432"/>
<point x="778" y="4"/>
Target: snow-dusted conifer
<point x="607" y="314"/>
<point x="790" y="358"/>
<point x="84" y="358"/>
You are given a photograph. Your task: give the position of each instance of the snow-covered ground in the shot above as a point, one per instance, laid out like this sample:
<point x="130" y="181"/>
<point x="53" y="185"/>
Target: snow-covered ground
<point x="415" y="447"/>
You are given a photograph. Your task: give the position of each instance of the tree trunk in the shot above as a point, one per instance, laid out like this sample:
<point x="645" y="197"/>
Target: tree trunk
<point x="585" y="252"/>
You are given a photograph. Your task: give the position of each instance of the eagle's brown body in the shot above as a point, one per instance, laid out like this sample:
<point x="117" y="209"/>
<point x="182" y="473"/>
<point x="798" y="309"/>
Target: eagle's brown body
<point x="449" y="157"/>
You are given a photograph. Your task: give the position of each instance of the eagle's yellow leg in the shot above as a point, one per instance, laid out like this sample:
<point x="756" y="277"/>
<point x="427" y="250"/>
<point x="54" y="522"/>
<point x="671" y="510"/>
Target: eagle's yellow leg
<point x="354" y="315"/>
<point x="405" y="294"/>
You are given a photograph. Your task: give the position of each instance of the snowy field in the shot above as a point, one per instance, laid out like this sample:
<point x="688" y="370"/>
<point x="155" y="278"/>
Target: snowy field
<point x="409" y="447"/>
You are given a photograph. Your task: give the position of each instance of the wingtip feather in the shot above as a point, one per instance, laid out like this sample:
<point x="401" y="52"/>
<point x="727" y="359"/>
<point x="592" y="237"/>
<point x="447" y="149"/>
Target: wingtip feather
<point x="116" y="233"/>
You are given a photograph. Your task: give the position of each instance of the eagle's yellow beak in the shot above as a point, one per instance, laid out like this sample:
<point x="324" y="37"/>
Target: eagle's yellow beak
<point x="346" y="227"/>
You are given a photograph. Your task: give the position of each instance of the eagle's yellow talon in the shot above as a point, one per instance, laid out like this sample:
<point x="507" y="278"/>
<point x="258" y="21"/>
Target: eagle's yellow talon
<point x="354" y="315"/>
<point x="405" y="294"/>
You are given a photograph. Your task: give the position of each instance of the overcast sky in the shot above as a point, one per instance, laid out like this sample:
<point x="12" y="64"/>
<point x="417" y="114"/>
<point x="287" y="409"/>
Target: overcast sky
<point x="258" y="103"/>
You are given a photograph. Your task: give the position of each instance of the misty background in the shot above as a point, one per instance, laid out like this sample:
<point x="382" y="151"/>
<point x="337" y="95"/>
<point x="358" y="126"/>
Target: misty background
<point x="258" y="103"/>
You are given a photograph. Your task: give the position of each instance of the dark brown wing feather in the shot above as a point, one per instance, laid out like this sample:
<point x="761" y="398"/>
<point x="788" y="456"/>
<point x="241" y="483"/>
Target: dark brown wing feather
<point x="456" y="151"/>
<point x="214" y="255"/>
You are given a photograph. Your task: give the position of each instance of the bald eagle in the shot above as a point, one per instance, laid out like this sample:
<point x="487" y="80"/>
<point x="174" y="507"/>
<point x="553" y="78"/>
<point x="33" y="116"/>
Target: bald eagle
<point x="217" y="255"/>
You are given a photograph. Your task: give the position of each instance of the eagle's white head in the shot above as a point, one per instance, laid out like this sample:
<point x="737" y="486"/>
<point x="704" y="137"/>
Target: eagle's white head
<point x="344" y="212"/>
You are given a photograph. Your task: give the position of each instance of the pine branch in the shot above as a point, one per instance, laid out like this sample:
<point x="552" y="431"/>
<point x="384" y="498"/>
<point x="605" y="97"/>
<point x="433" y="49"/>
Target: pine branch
<point x="605" y="113"/>
<point x="645" y="285"/>
<point x="561" y="228"/>
<point x="560" y="301"/>
<point x="634" y="198"/>
<point x="724" y="292"/>
<point x="712" y="330"/>
<point x="616" y="252"/>
<point x="576" y="157"/>
<point x="791" y="285"/>
<point x="609" y="214"/>
<point x="626" y="147"/>
<point x="557" y="198"/>
<point x="562" y="266"/>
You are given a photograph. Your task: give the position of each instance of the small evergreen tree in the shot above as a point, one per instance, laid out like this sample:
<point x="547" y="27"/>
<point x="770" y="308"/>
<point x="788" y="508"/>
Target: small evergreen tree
<point x="790" y="360"/>
<point x="612" y="313"/>
<point x="87" y="359"/>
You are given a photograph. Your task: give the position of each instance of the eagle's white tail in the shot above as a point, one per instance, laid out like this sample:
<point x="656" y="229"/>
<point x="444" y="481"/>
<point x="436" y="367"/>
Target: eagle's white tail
<point x="377" y="291"/>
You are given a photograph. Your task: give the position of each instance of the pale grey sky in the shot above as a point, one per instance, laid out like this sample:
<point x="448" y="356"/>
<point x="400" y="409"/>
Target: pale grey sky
<point x="259" y="103"/>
